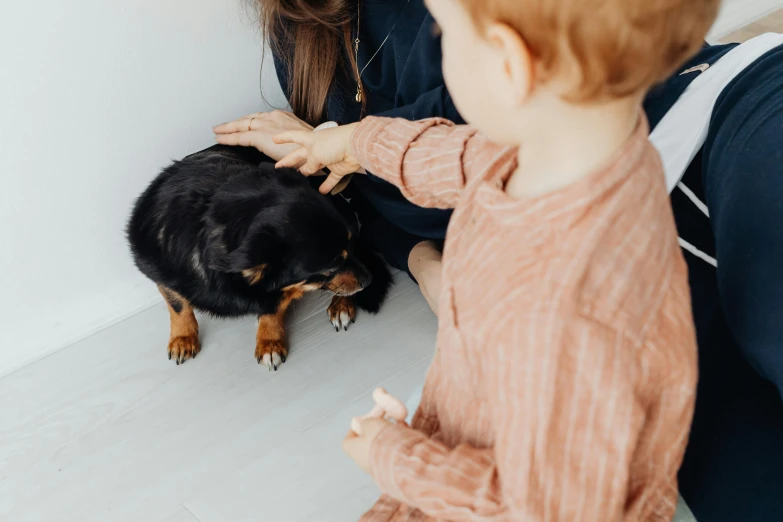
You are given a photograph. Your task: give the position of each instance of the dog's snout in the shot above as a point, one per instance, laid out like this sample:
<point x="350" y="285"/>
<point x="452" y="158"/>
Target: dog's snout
<point x="354" y="279"/>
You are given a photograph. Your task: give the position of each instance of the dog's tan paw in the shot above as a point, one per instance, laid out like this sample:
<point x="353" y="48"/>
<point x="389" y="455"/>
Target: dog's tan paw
<point x="342" y="312"/>
<point x="271" y="353"/>
<point x="183" y="348"/>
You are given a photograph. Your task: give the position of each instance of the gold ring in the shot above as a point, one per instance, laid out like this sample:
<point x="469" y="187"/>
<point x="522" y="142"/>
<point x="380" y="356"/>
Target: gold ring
<point x="250" y="123"/>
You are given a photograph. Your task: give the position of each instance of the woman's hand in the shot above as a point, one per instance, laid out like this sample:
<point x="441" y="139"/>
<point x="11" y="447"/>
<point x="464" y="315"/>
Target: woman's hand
<point x="256" y="130"/>
<point x="326" y="148"/>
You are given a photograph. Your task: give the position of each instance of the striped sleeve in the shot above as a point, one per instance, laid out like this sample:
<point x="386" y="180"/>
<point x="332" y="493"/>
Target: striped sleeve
<point x="565" y="435"/>
<point x="425" y="420"/>
<point x="430" y="161"/>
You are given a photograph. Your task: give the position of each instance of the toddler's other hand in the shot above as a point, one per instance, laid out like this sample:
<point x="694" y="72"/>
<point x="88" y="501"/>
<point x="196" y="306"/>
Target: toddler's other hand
<point x="387" y="406"/>
<point x="358" y="446"/>
<point x="326" y="148"/>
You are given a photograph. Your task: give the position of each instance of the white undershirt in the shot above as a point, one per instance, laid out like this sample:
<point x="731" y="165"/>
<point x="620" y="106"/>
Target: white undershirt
<point x="681" y="133"/>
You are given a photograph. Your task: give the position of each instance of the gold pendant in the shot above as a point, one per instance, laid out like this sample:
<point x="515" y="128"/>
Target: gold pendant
<point x="358" y="96"/>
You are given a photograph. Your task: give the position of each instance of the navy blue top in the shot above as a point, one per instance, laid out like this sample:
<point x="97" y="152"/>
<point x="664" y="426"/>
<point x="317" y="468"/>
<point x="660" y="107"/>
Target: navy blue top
<point x="403" y="80"/>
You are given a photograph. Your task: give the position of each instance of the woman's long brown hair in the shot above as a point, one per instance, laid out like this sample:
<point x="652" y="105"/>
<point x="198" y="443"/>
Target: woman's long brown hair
<point x="309" y="37"/>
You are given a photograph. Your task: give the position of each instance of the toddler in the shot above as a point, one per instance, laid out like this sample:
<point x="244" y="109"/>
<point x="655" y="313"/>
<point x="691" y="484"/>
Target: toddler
<point x="563" y="384"/>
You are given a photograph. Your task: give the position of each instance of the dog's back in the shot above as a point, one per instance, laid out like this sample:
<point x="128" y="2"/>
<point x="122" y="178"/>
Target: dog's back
<point x="166" y="225"/>
<point x="172" y="221"/>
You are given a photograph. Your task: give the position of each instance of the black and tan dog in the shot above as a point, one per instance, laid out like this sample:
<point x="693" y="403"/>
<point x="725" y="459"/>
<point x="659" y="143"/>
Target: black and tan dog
<point x="224" y="232"/>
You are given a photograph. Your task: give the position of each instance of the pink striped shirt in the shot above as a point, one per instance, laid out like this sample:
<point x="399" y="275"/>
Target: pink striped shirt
<point x="563" y="384"/>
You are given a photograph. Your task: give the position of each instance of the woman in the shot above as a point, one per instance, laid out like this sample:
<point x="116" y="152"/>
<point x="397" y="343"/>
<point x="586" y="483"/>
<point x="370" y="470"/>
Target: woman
<point x="727" y="208"/>
<point x="320" y="54"/>
<point x="734" y="461"/>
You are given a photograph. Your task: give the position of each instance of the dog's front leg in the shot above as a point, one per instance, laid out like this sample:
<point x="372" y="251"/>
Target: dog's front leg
<point x="270" y="341"/>
<point x="271" y="348"/>
<point x="183" y="339"/>
<point x="342" y="312"/>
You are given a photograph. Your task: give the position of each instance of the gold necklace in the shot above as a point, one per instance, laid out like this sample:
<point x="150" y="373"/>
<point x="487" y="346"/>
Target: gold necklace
<point x="359" y="92"/>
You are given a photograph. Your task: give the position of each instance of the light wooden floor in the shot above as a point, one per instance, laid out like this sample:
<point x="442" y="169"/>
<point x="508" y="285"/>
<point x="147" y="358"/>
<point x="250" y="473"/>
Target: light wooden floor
<point x="111" y="430"/>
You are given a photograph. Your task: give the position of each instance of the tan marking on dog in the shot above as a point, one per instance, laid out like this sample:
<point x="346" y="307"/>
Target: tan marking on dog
<point x="296" y="291"/>
<point x="270" y="328"/>
<point x="344" y="283"/>
<point x="183" y="338"/>
<point x="342" y="312"/>
<point x="271" y="347"/>
<point x="254" y="275"/>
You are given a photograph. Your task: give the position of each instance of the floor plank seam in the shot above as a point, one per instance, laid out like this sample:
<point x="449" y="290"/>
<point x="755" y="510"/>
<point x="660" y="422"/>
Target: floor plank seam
<point x="191" y="512"/>
<point x="106" y="325"/>
<point x="87" y="433"/>
<point x="81" y="435"/>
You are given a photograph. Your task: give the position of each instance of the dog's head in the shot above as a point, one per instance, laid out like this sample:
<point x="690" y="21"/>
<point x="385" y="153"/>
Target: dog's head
<point x="276" y="232"/>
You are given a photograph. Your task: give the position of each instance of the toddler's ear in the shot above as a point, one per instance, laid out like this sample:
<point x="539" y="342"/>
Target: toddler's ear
<point x="517" y="63"/>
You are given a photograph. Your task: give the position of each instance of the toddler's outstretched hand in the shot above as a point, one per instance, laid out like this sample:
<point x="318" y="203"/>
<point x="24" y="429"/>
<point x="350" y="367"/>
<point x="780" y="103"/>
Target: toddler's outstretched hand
<point x="327" y="148"/>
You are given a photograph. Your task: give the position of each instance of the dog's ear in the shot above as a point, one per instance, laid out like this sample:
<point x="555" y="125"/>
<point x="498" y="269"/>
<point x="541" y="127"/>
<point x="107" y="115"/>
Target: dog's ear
<point x="252" y="258"/>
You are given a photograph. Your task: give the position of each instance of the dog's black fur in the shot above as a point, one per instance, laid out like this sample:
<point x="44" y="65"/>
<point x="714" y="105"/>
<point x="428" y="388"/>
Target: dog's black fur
<point x="225" y="232"/>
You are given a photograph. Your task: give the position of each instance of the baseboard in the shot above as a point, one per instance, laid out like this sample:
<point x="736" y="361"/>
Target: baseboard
<point x="736" y="14"/>
<point x="25" y="344"/>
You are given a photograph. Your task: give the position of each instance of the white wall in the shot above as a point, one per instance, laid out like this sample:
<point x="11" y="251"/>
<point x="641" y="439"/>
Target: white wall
<point x="95" y="97"/>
